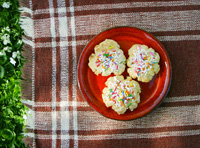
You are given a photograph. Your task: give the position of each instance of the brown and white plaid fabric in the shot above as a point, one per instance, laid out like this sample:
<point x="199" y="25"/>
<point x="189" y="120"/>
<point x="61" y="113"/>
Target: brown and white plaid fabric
<point x="56" y="34"/>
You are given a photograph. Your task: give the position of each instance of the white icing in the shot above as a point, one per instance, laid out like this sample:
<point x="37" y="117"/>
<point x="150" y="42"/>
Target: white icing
<point x="141" y="65"/>
<point x="119" y="91"/>
<point x="110" y="62"/>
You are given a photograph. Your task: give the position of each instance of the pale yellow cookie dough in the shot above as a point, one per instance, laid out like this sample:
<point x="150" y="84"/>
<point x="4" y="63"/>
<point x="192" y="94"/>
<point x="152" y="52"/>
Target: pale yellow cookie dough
<point x="121" y="94"/>
<point x="143" y="62"/>
<point x="108" y="58"/>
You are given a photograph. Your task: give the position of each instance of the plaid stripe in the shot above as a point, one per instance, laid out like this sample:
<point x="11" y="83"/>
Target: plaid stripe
<point x="60" y="115"/>
<point x="123" y="6"/>
<point x="64" y="70"/>
<point x="74" y="83"/>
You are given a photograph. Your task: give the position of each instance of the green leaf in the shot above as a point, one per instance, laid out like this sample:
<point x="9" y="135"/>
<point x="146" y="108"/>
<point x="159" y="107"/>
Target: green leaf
<point x="12" y="145"/>
<point x="7" y="134"/>
<point x="3" y="58"/>
<point x="9" y="112"/>
<point x="18" y="44"/>
<point x="12" y="110"/>
<point x="2" y="72"/>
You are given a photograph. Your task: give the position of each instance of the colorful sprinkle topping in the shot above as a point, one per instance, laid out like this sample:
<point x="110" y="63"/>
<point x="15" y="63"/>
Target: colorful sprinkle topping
<point x="121" y="93"/>
<point x="143" y="61"/>
<point x="109" y="60"/>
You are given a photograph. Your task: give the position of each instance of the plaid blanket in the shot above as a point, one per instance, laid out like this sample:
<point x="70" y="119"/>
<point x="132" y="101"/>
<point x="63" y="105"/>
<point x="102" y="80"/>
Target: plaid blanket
<point x="56" y="32"/>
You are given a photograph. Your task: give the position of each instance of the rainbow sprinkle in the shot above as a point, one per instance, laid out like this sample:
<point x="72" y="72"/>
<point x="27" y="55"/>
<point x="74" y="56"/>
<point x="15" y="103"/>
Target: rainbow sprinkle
<point x="121" y="97"/>
<point x="109" y="60"/>
<point x="143" y="61"/>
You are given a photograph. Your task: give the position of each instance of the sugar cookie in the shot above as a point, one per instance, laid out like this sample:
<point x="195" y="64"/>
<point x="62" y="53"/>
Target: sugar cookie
<point x="108" y="58"/>
<point x="143" y="62"/>
<point x="121" y="94"/>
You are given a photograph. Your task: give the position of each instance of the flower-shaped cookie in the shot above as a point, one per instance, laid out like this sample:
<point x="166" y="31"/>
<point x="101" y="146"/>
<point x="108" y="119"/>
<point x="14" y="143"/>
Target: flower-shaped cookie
<point x="121" y="94"/>
<point x="108" y="58"/>
<point x="143" y="62"/>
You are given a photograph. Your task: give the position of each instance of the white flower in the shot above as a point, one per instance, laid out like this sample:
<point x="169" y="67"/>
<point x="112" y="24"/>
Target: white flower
<point x="29" y="112"/>
<point x="24" y="116"/>
<point x="6" y="5"/>
<point x="6" y="29"/>
<point x="16" y="54"/>
<point x="6" y="39"/>
<point x="12" y="61"/>
<point x="1" y="54"/>
<point x="5" y="42"/>
<point x="7" y="48"/>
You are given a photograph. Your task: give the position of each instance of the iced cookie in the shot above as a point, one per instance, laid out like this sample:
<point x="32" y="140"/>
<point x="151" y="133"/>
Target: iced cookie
<point x="121" y="94"/>
<point x="108" y="58"/>
<point x="143" y="62"/>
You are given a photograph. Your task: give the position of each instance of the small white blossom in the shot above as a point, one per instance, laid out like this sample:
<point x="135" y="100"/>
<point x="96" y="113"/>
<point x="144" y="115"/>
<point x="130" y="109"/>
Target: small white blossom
<point x="6" y="39"/>
<point x="16" y="54"/>
<point x="12" y="61"/>
<point x="6" y="29"/>
<point x="29" y="112"/>
<point x="5" y="42"/>
<point x="7" y="48"/>
<point x="1" y="54"/>
<point x="6" y="5"/>
<point x="24" y="116"/>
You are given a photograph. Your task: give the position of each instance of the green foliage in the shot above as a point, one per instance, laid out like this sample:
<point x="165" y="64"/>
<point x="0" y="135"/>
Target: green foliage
<point x="12" y="110"/>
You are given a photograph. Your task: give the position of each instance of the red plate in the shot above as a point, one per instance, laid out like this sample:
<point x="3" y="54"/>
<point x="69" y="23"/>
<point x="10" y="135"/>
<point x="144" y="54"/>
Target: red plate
<point x="152" y="93"/>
